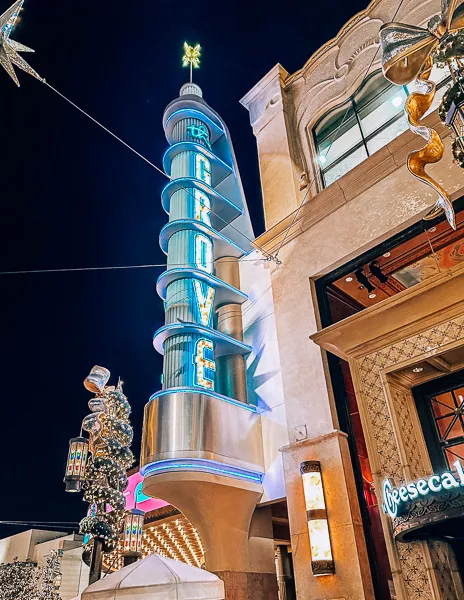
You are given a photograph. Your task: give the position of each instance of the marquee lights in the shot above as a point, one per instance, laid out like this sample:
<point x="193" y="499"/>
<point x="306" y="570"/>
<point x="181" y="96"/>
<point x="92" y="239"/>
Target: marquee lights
<point x="202" y="168"/>
<point x="204" y="301"/>
<point x="396" y="499"/>
<point x="204" y="363"/>
<point x="203" y="253"/>
<point x="321" y="548"/>
<point x="202" y="207"/>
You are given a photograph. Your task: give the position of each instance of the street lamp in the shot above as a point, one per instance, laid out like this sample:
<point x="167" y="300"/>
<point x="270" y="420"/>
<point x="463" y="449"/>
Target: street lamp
<point x="132" y="535"/>
<point x="322" y="562"/>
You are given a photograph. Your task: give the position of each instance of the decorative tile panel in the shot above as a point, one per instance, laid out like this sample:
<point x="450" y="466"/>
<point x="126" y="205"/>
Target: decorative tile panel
<point x="413" y="555"/>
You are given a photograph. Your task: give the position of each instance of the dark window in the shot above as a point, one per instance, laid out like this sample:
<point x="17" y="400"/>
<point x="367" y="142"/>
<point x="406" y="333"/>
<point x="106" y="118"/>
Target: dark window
<point x="440" y="405"/>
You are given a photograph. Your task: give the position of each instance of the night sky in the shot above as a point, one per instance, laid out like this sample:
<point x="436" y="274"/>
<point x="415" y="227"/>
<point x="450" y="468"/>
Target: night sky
<point x="72" y="196"/>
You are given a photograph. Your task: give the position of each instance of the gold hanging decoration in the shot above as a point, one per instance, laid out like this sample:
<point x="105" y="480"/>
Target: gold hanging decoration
<point x="407" y="53"/>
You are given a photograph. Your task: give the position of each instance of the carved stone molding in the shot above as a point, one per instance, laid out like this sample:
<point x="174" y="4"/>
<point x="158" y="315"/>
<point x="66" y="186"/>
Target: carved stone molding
<point x="435" y="510"/>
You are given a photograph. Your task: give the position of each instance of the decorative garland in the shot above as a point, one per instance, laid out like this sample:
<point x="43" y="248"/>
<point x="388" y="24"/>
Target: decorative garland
<point x="454" y="94"/>
<point x="450" y="48"/>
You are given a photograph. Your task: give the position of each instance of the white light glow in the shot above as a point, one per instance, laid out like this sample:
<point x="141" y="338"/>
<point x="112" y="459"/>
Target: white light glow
<point x="202" y="168"/>
<point x="202" y="207"/>
<point x="205" y="301"/>
<point x="397" y="101"/>
<point x="314" y="494"/>
<point x="203" y="253"/>
<point x="204" y="363"/>
<point x="322" y="159"/>
<point x="320" y="540"/>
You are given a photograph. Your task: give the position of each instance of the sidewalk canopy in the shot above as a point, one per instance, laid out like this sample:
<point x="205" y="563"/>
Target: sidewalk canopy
<point x="156" y="578"/>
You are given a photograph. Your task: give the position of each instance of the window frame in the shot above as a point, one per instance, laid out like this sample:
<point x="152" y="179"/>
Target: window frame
<point x="350" y="102"/>
<point x="423" y="396"/>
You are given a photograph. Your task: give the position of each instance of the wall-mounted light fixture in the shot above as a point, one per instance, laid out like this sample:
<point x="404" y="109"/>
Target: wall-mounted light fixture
<point x="322" y="562"/>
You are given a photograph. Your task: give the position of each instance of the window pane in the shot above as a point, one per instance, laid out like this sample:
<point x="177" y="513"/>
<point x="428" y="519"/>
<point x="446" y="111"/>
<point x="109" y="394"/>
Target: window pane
<point x="345" y="165"/>
<point x="337" y="134"/>
<point x="378" y="102"/>
<point x="455" y="453"/>
<point x="443" y="404"/>
<point x="450" y="427"/>
<point x="388" y="134"/>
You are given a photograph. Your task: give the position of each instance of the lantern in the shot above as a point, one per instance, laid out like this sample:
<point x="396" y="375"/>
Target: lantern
<point x="322" y="562"/>
<point x="77" y="461"/>
<point x="96" y="379"/>
<point x="132" y="535"/>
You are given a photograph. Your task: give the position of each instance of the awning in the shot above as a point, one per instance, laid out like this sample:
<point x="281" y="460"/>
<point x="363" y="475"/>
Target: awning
<point x="156" y="578"/>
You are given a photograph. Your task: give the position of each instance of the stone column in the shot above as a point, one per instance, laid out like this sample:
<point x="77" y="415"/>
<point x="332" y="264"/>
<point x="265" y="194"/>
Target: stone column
<point x="236" y="536"/>
<point x="231" y="368"/>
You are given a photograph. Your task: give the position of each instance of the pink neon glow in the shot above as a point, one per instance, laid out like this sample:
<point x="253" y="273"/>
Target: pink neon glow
<point x="134" y="495"/>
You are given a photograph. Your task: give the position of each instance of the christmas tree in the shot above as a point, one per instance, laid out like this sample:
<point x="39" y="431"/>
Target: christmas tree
<point x="19" y="580"/>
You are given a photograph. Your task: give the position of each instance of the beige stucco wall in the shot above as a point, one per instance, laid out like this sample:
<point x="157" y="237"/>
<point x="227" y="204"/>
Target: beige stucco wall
<point x="315" y="231"/>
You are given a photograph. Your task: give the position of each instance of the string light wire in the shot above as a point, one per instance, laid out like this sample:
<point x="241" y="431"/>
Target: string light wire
<point x="161" y="171"/>
<point x="114" y="268"/>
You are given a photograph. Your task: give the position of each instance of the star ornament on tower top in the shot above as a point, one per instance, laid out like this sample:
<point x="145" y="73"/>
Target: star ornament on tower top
<point x="191" y="57"/>
<point x="9" y="57"/>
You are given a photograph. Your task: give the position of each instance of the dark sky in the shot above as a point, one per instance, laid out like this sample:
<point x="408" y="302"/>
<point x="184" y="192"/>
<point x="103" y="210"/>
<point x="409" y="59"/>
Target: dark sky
<point x="71" y="196"/>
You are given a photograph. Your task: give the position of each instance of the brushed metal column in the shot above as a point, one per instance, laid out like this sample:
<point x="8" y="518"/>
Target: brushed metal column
<point x="231" y="371"/>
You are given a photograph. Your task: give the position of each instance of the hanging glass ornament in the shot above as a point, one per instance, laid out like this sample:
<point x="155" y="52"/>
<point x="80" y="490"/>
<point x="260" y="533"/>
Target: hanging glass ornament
<point x="97" y="379"/>
<point x="408" y="54"/>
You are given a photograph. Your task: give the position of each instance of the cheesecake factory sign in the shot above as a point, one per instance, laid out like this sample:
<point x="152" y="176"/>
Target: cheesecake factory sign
<point x="396" y="500"/>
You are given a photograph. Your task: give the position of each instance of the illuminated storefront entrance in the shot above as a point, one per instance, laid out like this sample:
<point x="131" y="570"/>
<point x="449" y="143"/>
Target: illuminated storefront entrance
<point x="397" y="368"/>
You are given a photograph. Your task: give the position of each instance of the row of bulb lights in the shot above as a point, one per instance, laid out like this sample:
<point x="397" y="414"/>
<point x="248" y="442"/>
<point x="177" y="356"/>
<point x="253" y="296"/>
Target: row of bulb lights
<point x="177" y="539"/>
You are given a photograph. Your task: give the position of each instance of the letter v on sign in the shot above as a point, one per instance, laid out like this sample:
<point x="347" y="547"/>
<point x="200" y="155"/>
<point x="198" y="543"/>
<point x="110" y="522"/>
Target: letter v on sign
<point x="205" y="297"/>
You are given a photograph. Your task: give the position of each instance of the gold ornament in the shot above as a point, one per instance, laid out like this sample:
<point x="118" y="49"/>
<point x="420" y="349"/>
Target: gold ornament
<point x="407" y="53"/>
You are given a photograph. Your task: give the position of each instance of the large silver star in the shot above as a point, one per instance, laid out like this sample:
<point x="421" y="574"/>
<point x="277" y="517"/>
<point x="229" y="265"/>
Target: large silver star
<point x="9" y="48"/>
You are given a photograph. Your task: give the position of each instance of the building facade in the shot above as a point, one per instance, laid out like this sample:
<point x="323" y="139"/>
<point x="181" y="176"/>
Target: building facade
<point x="212" y="434"/>
<point x="369" y="311"/>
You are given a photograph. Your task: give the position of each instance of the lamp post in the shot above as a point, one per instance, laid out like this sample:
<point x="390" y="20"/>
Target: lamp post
<point x="322" y="562"/>
<point x="98" y="466"/>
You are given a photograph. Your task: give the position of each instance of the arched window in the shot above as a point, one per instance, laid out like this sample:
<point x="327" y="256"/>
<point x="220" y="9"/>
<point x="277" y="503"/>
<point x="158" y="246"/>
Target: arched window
<point x="366" y="122"/>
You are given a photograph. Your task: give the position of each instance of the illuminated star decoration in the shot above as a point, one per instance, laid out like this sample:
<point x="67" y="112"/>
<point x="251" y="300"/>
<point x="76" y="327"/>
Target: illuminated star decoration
<point x="9" y="48"/>
<point x="191" y="57"/>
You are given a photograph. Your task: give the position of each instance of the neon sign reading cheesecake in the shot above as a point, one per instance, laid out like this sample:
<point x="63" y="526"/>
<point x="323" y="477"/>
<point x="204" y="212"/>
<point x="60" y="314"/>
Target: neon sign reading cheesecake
<point x="396" y="499"/>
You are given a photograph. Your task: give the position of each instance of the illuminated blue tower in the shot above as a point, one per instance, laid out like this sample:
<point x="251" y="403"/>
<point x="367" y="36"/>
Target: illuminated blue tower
<point x="209" y="229"/>
<point x="202" y="446"/>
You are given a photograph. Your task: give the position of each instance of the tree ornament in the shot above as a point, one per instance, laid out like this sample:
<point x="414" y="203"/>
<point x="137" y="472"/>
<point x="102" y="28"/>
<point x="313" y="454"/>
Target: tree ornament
<point x="407" y="54"/>
<point x="9" y="49"/>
